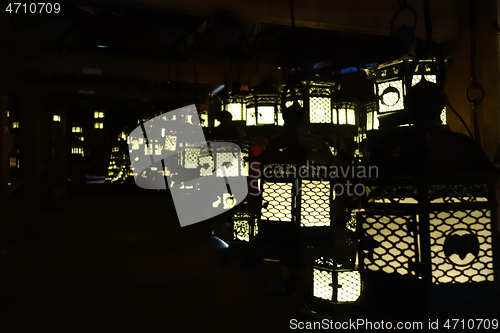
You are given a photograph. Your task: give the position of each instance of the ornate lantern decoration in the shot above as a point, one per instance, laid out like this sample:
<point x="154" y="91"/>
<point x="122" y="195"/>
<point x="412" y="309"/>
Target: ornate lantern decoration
<point x="320" y="102"/>
<point x="262" y="106"/>
<point x="300" y="207"/>
<point x="390" y="88"/>
<point x="333" y="284"/>
<point x="429" y="225"/>
<point x="236" y="105"/>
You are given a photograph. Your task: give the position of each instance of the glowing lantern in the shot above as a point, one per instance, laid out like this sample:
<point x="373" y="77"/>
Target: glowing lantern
<point x="333" y="284"/>
<point x="219" y="158"/>
<point x="430" y="218"/>
<point x="56" y="118"/>
<point x="298" y="200"/>
<point x="236" y="105"/>
<point x="204" y="118"/>
<point x="262" y="106"/>
<point x="320" y="102"/>
<point x="390" y="89"/>
<point x="244" y="224"/>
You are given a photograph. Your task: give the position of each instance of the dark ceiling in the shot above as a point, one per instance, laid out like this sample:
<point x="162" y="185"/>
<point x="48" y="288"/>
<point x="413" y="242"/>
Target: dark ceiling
<point x="128" y="32"/>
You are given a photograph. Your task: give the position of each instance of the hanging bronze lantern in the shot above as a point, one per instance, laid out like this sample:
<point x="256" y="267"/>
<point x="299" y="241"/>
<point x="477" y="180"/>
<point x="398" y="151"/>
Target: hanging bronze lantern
<point x="262" y="106"/>
<point x="391" y="84"/>
<point x="427" y="233"/>
<point x="300" y="208"/>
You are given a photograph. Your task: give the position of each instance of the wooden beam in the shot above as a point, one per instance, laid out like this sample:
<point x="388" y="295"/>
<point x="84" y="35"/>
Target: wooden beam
<point x="356" y="16"/>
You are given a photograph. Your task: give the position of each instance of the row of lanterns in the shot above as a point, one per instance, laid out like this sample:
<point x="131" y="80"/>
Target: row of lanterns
<point x="425" y="227"/>
<point x="262" y="106"/>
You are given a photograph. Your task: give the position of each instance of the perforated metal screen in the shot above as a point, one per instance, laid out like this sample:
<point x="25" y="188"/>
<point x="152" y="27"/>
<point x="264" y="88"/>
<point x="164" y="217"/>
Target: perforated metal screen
<point x="390" y="245"/>
<point x="461" y="246"/>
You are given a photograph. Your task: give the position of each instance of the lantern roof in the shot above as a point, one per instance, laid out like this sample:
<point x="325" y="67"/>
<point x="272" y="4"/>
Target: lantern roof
<point x="296" y="145"/>
<point x="435" y="152"/>
<point x="266" y="88"/>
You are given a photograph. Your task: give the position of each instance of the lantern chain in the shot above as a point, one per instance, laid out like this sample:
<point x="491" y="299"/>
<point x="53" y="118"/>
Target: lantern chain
<point x="403" y="7"/>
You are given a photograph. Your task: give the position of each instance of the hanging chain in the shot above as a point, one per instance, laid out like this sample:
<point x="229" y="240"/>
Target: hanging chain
<point x="475" y="92"/>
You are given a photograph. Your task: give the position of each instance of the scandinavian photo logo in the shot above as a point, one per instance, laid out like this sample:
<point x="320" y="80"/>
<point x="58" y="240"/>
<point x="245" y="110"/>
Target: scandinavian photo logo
<point x="170" y="152"/>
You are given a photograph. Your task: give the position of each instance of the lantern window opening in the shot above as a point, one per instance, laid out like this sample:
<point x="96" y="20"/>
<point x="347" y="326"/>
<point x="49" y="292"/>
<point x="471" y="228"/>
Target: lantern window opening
<point x="344" y="114"/>
<point x="56" y="118"/>
<point x="204" y="118"/>
<point x="237" y="107"/>
<point x="76" y="129"/>
<point x="334" y="284"/>
<point x="262" y="109"/>
<point x="15" y="124"/>
<point x="98" y="114"/>
<point x="391" y="95"/>
<point x="99" y="125"/>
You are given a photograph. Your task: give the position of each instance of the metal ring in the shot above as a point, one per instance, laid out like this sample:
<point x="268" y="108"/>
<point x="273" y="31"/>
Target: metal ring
<point x="475" y="87"/>
<point x="401" y="10"/>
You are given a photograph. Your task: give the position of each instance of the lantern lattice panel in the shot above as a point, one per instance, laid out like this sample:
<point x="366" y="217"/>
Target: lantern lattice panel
<point x="226" y="166"/>
<point x="391" y="96"/>
<point x="320" y="110"/>
<point x="391" y="245"/>
<point x="322" y="284"/>
<point x="207" y="166"/>
<point x="237" y="108"/>
<point x="461" y="246"/>
<point x="277" y="201"/>
<point x="251" y="117"/>
<point x="349" y="286"/>
<point x="458" y="193"/>
<point x="241" y="230"/>
<point x="315" y="203"/>
<point x="191" y="158"/>
<point x="392" y="194"/>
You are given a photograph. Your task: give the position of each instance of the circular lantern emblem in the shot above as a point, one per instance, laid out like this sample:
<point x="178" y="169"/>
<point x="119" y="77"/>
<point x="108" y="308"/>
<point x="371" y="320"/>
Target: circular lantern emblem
<point x="461" y="247"/>
<point x="192" y="158"/>
<point x="390" y="96"/>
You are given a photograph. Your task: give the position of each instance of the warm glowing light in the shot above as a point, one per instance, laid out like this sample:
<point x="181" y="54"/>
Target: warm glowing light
<point x="349" y="286"/>
<point x="77" y="151"/>
<point x="56" y="118"/>
<point x="251" y="119"/>
<point x="320" y="110"/>
<point x="241" y="230"/>
<point x="226" y="165"/>
<point x="315" y="203"/>
<point x="473" y="224"/>
<point x="396" y="248"/>
<point x="322" y="284"/>
<point x="98" y="114"/>
<point x="13" y="161"/>
<point x="15" y="124"/>
<point x="204" y="119"/>
<point x="265" y="114"/>
<point x="76" y="129"/>
<point x="346" y="116"/>
<point x="98" y="125"/>
<point x="390" y="96"/>
<point x="277" y="199"/>
<point x="237" y="110"/>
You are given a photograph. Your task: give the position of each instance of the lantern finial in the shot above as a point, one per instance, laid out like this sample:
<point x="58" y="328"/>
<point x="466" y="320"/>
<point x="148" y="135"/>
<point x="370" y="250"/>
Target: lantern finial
<point x="425" y="102"/>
